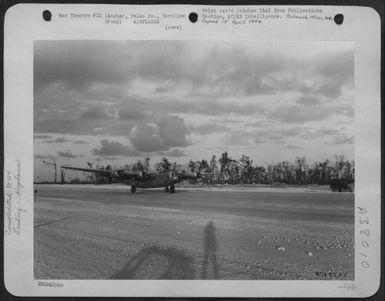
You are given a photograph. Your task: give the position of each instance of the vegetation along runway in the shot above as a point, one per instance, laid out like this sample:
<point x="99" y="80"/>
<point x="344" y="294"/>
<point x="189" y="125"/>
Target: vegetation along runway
<point x="105" y="232"/>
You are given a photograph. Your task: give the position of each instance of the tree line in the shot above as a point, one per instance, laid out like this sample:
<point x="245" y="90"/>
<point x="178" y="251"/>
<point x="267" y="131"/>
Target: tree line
<point x="244" y="171"/>
<point x="225" y="169"/>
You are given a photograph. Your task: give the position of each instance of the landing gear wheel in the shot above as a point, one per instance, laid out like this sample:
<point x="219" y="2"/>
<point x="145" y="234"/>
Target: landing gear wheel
<point x="167" y="189"/>
<point x="172" y="189"/>
<point x="133" y="188"/>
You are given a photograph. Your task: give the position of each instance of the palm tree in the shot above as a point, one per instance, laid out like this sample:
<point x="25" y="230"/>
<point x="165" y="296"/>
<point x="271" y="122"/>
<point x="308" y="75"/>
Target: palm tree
<point x="213" y="164"/>
<point x="138" y="167"/>
<point x="224" y="161"/>
<point x="175" y="167"/>
<point x="192" y="166"/>
<point x="246" y="169"/>
<point x="163" y="165"/>
<point x="339" y="165"/>
<point x="300" y="170"/>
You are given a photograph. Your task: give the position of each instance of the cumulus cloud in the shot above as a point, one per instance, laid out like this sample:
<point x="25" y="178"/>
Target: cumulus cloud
<point x="237" y="137"/>
<point x="290" y="146"/>
<point x="40" y="156"/>
<point x="208" y="128"/>
<point x="289" y="132"/>
<point x="78" y="63"/>
<point x="140" y="90"/>
<point x="84" y="126"/>
<point x="172" y="130"/>
<point x="94" y="113"/>
<point x="346" y="109"/>
<point x="42" y="136"/>
<point x="73" y="74"/>
<point x="210" y="107"/>
<point x="160" y="134"/>
<point x="275" y="138"/>
<point x="63" y="126"/>
<point x="261" y="136"/>
<point x="342" y="139"/>
<point x="131" y="112"/>
<point x="232" y="69"/>
<point x="335" y="71"/>
<point x="172" y="153"/>
<point x="217" y="67"/>
<point x="112" y="148"/>
<point x="66" y="154"/>
<point x="61" y="140"/>
<point x="326" y="132"/>
<point x="57" y="140"/>
<point x="145" y="138"/>
<point x="300" y="114"/>
<point x="308" y="100"/>
<point x="133" y="106"/>
<point x="323" y="132"/>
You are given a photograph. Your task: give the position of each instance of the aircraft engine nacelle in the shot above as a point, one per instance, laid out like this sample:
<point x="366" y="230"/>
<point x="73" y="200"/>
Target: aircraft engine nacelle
<point x="191" y="176"/>
<point x="143" y="174"/>
<point x="174" y="177"/>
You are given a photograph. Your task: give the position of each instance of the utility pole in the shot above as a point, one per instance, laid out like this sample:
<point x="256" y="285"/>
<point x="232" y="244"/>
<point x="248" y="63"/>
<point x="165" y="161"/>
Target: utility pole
<point x="55" y="168"/>
<point x="62" y="176"/>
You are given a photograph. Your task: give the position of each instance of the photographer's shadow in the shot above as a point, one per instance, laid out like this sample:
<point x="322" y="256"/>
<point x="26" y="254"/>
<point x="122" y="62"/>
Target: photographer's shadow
<point x="158" y="263"/>
<point x="210" y="254"/>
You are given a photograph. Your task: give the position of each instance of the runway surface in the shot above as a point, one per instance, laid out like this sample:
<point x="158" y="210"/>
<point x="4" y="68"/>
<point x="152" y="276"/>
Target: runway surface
<point x="105" y="232"/>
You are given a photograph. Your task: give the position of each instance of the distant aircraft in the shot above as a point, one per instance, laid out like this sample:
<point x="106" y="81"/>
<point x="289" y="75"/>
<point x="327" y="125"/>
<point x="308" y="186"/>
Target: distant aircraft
<point x="143" y="179"/>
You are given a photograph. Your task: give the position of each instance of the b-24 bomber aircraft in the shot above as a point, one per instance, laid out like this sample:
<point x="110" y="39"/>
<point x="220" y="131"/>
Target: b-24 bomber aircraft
<point x="142" y="179"/>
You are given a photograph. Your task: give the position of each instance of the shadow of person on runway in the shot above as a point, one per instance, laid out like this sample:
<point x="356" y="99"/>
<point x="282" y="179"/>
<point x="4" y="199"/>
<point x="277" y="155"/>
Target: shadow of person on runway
<point x="210" y="254"/>
<point x="157" y="262"/>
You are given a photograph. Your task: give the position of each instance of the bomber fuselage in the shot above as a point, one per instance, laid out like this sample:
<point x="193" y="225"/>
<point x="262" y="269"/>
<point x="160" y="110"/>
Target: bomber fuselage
<point x="160" y="180"/>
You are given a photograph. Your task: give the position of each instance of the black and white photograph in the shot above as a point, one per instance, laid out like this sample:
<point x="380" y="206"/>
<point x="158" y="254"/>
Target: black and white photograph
<point x="193" y="159"/>
<point x="192" y="151"/>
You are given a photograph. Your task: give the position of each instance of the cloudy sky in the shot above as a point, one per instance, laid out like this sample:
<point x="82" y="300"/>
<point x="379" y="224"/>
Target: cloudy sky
<point x="118" y="101"/>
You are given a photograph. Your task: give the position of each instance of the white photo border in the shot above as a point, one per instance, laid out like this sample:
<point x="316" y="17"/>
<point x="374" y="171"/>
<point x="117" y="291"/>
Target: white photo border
<point x="24" y="25"/>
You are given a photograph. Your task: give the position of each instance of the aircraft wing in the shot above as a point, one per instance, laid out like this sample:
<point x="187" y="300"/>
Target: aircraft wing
<point x="104" y="172"/>
<point x="116" y="173"/>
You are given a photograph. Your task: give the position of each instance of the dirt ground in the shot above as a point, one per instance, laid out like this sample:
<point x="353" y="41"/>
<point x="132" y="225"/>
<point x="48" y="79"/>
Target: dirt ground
<point x="105" y="232"/>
